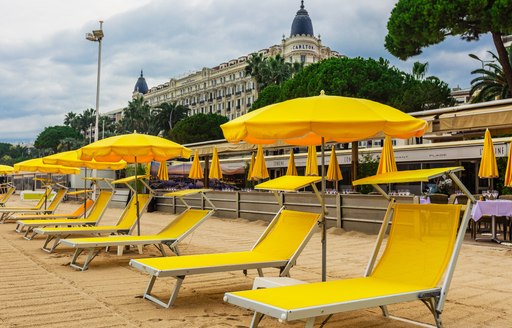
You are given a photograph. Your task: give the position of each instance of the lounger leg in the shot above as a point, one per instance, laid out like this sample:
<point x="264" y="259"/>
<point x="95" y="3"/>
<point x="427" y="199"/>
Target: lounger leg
<point x="139" y="248"/>
<point x="174" y="294"/>
<point x="260" y="272"/>
<point x="310" y="323"/>
<point x="385" y="311"/>
<point x="19" y="228"/>
<point x="93" y="252"/>
<point x="29" y="234"/>
<point x="256" y="318"/>
<point x="48" y="240"/>
<point x="161" y="249"/>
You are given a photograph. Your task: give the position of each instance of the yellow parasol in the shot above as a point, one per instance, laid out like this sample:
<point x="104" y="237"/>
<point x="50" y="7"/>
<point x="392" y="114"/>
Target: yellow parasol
<point x="196" y="171"/>
<point x="251" y="168"/>
<point x="72" y="158"/>
<point x="260" y="167"/>
<point x="37" y="165"/>
<point x="312" y="162"/>
<point x="319" y="119"/>
<point x="163" y="172"/>
<point x="387" y="161"/>
<point x="6" y="169"/>
<point x="488" y="167"/>
<point x="333" y="171"/>
<point x="134" y="148"/>
<point x="215" y="169"/>
<point x="508" y="173"/>
<point x="291" y="169"/>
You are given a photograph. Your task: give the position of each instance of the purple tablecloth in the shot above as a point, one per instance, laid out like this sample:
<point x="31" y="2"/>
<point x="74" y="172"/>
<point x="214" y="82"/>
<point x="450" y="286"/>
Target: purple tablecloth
<point x="491" y="208"/>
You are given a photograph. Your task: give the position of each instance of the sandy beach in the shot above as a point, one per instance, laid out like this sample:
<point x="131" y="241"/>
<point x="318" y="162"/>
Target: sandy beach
<point x="41" y="289"/>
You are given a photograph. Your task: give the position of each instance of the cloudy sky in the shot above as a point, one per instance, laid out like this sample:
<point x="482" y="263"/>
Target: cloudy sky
<point x="48" y="68"/>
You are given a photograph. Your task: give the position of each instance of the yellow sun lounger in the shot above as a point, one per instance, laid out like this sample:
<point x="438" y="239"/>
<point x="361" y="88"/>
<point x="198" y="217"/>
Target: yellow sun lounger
<point x="417" y="264"/>
<point x="93" y="217"/>
<point x="184" y="224"/>
<point x="6" y="194"/>
<point x="278" y="247"/>
<point x="7" y="213"/>
<point x="124" y="225"/>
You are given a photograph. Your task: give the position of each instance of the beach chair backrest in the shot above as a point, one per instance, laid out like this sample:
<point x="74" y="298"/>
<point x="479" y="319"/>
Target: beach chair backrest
<point x="100" y="205"/>
<point x="129" y="216"/>
<point x="44" y="198"/>
<point x="82" y="208"/>
<point x="420" y="244"/>
<point x="183" y="223"/>
<point x="287" y="234"/>
<point x="57" y="199"/>
<point x="8" y="193"/>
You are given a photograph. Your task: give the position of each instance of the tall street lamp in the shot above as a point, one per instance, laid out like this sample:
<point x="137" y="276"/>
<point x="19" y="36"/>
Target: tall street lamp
<point x="97" y="36"/>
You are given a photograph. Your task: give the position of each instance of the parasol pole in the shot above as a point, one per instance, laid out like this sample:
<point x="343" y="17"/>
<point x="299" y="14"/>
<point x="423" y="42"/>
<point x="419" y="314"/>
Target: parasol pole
<point x="324" y="213"/>
<point x="137" y="198"/>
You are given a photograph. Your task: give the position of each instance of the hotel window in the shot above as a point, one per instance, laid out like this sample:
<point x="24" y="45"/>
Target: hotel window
<point x="302" y="58"/>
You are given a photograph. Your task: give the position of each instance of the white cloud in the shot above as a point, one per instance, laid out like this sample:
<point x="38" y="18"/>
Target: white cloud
<point x="49" y="69"/>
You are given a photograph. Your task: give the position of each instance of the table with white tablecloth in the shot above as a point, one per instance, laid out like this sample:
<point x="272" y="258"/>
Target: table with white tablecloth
<point x="492" y="208"/>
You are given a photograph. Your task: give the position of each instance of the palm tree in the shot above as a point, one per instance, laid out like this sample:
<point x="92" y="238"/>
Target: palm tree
<point x="85" y="121"/>
<point x="419" y="70"/>
<point x="136" y="117"/>
<point x="275" y="71"/>
<point x="254" y="66"/>
<point x="165" y="116"/>
<point x="491" y="83"/>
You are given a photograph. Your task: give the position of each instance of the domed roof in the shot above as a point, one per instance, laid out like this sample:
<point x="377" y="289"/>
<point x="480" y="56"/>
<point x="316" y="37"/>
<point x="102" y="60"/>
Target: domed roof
<point x="302" y="23"/>
<point x="141" y="86"/>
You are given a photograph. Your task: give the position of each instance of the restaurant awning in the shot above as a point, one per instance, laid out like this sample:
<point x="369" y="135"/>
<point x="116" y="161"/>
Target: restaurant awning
<point x="477" y="119"/>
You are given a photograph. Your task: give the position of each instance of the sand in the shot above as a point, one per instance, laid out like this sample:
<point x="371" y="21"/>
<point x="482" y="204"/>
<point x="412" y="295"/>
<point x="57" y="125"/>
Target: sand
<point x="40" y="289"/>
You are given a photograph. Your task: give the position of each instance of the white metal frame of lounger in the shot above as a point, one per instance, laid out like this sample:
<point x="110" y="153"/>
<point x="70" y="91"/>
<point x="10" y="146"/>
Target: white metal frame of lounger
<point x="183" y="272"/>
<point x="180" y="274"/>
<point x="6" y="213"/>
<point x="57" y="238"/>
<point x="434" y="298"/>
<point x="78" y="223"/>
<point x="95" y="248"/>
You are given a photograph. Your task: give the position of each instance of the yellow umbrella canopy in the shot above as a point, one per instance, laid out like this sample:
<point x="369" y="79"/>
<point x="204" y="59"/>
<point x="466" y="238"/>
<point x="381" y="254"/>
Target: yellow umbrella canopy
<point x="37" y="165"/>
<point x="134" y="148"/>
<point x="387" y="161"/>
<point x="319" y="119"/>
<point x="291" y="169"/>
<point x="72" y="158"/>
<point x="312" y="161"/>
<point x="215" y="169"/>
<point x="163" y="172"/>
<point x="196" y="171"/>
<point x="488" y="166"/>
<point x="508" y="174"/>
<point x="260" y="167"/>
<point x="251" y="168"/>
<point x="6" y="169"/>
<point x="334" y="171"/>
<point x="305" y="121"/>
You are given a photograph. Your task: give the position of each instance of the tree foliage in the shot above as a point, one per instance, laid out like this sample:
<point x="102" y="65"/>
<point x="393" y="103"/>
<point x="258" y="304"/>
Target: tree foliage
<point x="136" y="117"/>
<point x="490" y="84"/>
<point x="270" y="70"/>
<point x="165" y="116"/>
<point x="197" y="128"/>
<point x="414" y="25"/>
<point x="10" y="154"/>
<point x="362" y="78"/>
<point x="52" y="136"/>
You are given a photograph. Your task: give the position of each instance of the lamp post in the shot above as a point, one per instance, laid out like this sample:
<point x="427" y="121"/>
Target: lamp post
<point x="97" y="36"/>
<point x="484" y="62"/>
